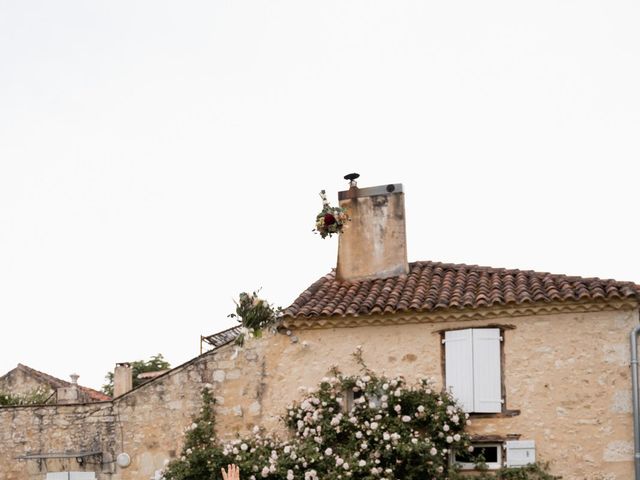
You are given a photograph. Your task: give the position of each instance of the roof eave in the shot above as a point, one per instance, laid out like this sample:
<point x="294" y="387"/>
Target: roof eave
<point x="457" y="314"/>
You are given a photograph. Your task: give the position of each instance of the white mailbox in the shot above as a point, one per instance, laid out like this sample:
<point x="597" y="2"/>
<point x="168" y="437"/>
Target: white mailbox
<point x="520" y="452"/>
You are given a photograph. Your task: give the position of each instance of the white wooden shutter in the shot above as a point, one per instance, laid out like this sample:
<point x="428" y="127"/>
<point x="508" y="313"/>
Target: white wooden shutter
<point x="459" y="366"/>
<point x="487" y="391"/>
<point x="520" y="452"/>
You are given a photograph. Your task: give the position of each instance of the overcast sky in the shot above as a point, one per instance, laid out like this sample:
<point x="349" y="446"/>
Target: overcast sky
<point x="157" y="158"/>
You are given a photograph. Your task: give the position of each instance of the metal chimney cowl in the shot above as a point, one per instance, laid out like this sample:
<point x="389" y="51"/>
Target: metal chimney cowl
<point x="373" y="244"/>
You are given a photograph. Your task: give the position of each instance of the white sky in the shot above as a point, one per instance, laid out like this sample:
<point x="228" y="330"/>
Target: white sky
<point x="157" y="158"/>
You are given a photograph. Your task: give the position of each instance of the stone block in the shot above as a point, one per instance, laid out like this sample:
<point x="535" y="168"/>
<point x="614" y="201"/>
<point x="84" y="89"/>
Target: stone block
<point x="226" y="364"/>
<point x="618" y="451"/>
<point x="255" y="408"/>
<point x="251" y="356"/>
<point x="621" y="402"/>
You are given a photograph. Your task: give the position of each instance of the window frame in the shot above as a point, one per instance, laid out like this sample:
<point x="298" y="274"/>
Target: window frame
<point x="467" y="466"/>
<point x="348" y="399"/>
<point x="504" y="411"/>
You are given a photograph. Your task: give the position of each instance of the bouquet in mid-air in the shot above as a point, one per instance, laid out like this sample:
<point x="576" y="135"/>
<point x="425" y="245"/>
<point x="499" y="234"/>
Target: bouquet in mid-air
<point x="330" y="220"/>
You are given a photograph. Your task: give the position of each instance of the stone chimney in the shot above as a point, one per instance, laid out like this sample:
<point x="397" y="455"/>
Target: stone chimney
<point x="373" y="244"/>
<point x="122" y="379"/>
<point x="71" y="394"/>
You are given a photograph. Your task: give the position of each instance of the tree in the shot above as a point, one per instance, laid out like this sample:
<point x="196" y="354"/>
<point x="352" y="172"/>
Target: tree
<point x="154" y="364"/>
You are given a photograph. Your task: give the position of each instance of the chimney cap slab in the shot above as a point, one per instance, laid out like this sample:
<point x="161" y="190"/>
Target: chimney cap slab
<point x="370" y="191"/>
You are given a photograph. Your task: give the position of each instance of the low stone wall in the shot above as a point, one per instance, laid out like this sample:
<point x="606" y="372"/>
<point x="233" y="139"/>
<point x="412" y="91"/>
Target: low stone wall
<point x="53" y="429"/>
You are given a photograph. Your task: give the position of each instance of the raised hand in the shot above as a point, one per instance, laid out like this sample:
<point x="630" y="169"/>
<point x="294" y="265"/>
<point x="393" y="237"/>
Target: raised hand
<point x="232" y="472"/>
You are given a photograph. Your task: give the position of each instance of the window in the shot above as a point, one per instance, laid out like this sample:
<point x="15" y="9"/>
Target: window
<point x="489" y="454"/>
<point x="473" y="368"/>
<point x="350" y="398"/>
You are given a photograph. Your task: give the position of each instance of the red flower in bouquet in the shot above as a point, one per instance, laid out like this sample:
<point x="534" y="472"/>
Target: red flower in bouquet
<point x="329" y="219"/>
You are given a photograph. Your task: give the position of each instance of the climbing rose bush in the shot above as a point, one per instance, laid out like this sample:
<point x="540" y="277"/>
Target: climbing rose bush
<point x="349" y="427"/>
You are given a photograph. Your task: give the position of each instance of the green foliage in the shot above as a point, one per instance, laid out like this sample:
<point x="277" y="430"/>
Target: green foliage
<point x="255" y="314"/>
<point x="535" y="471"/>
<point x="38" y="396"/>
<point x="154" y="364"/>
<point x="201" y="454"/>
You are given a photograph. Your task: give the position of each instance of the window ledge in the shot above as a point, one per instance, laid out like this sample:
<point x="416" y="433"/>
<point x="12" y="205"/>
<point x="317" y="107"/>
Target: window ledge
<point x="503" y="414"/>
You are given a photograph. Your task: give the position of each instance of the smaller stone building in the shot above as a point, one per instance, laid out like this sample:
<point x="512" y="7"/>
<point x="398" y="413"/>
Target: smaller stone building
<point x="24" y="380"/>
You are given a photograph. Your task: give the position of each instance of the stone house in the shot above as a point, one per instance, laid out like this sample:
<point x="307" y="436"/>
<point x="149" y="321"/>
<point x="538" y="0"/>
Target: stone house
<point x="540" y="361"/>
<point x="24" y="380"/>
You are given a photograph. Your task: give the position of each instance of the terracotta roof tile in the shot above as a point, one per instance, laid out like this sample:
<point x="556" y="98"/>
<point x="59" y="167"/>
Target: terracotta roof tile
<point x="432" y="286"/>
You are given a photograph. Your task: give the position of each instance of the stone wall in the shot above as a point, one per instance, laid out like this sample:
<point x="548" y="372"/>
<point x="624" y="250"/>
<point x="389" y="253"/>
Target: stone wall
<point x="155" y="416"/>
<point x="55" y="429"/>
<point x="567" y="374"/>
